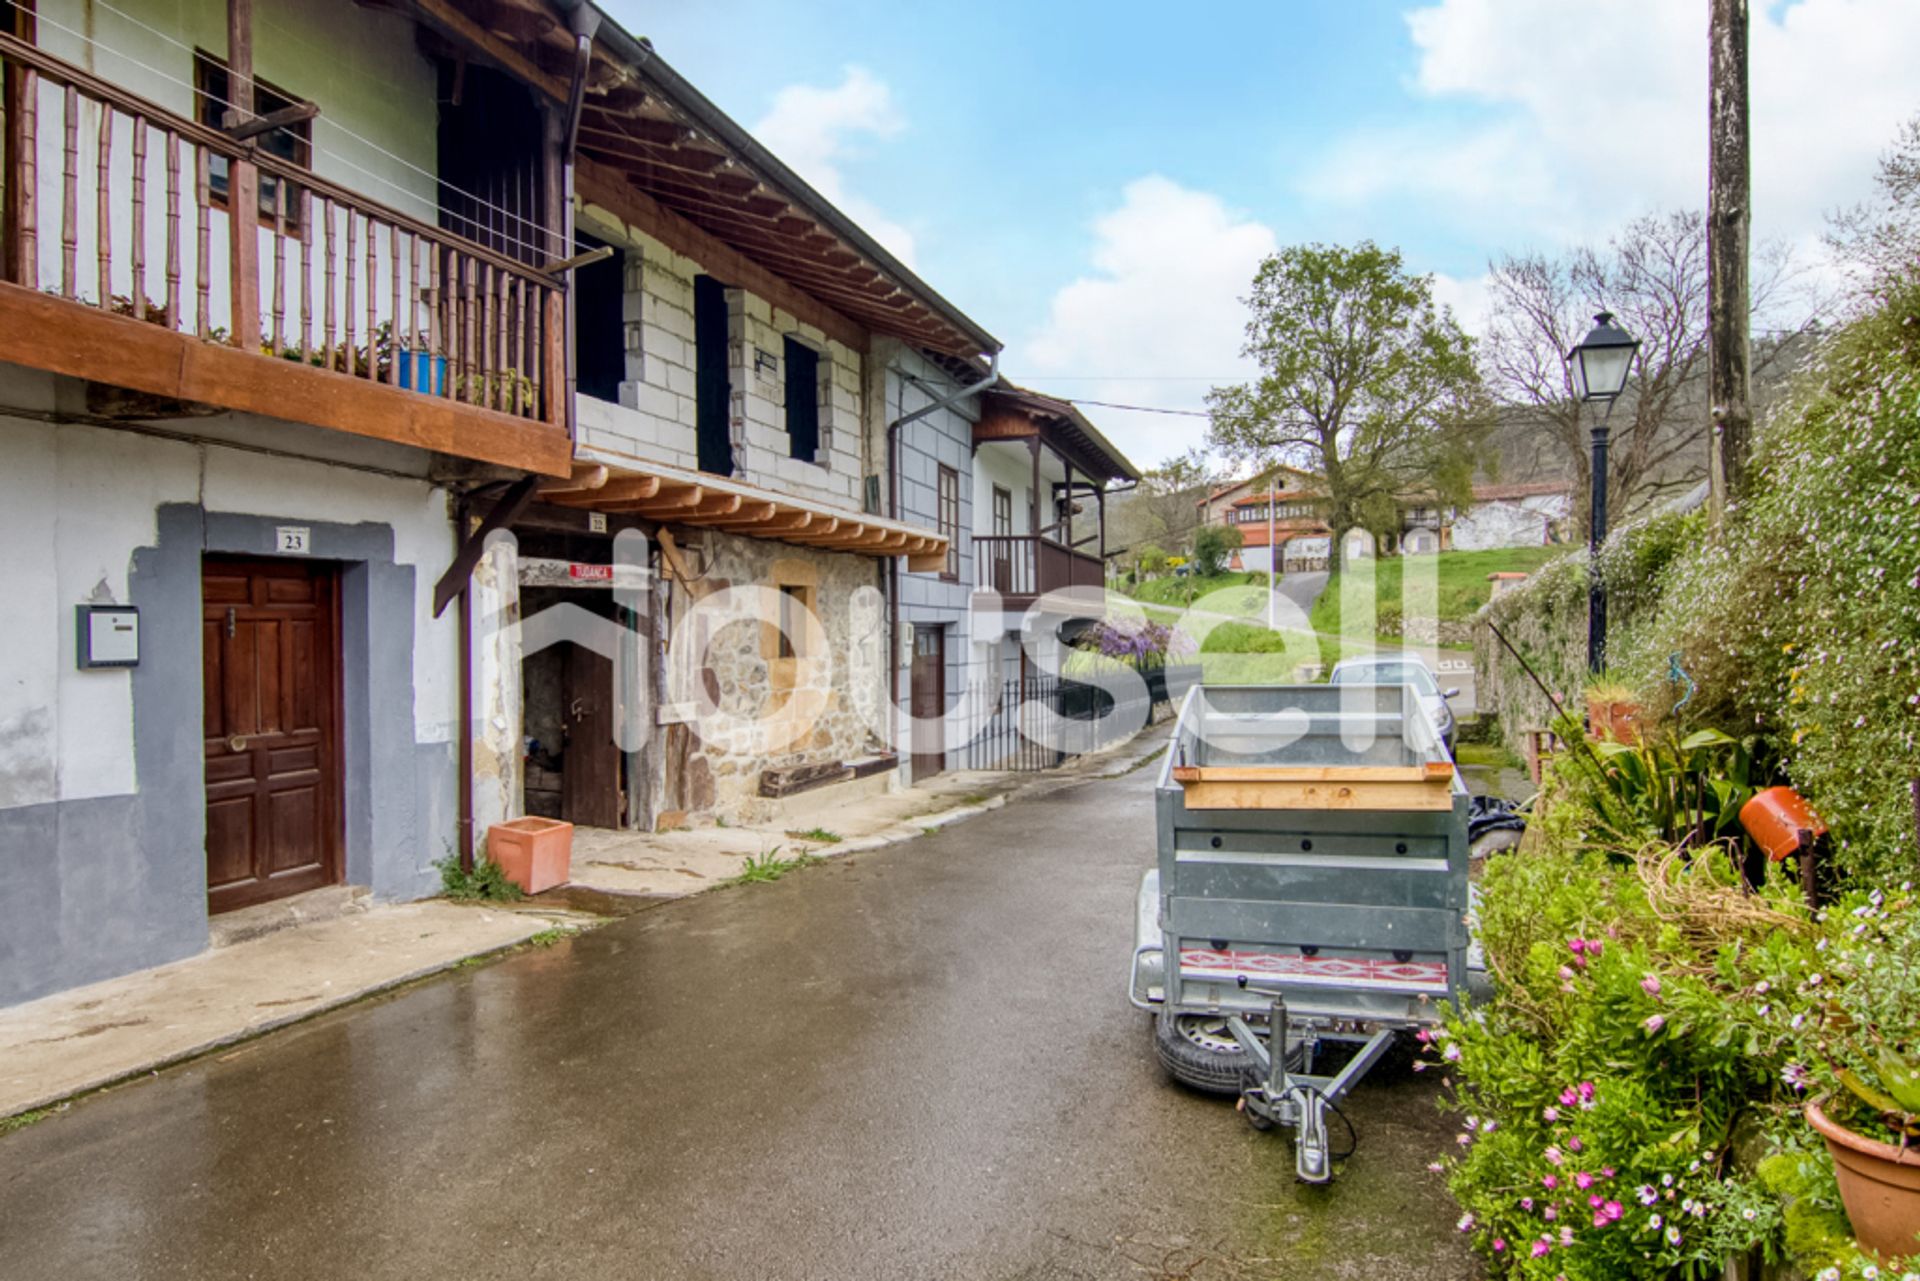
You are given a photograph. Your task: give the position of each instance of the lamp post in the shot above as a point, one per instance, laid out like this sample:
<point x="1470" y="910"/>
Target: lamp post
<point x="1599" y="366"/>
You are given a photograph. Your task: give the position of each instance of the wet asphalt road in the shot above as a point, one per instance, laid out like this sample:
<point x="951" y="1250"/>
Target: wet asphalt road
<point x="902" y="1064"/>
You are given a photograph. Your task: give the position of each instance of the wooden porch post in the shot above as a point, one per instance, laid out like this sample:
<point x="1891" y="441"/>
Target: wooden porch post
<point x="16" y="153"/>
<point x="243" y="185"/>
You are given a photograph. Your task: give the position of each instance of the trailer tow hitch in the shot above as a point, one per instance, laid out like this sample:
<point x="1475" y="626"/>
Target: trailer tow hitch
<point x="1300" y="1100"/>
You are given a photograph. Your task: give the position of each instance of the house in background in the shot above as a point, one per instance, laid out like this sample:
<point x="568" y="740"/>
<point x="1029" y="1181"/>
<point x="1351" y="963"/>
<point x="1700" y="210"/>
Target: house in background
<point x="1290" y="520"/>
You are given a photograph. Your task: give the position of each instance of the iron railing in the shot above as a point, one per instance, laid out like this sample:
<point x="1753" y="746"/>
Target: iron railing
<point x="1040" y="722"/>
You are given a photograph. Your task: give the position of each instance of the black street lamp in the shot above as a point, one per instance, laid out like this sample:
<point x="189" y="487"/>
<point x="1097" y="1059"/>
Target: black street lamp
<point x="1600" y="365"/>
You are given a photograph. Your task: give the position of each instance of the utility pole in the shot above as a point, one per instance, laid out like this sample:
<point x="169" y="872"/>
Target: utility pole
<point x="1273" y="557"/>
<point x="1729" y="227"/>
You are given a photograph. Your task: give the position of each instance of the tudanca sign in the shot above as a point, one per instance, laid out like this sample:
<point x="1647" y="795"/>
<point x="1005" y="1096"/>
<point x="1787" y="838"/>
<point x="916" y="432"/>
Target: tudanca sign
<point x="539" y="572"/>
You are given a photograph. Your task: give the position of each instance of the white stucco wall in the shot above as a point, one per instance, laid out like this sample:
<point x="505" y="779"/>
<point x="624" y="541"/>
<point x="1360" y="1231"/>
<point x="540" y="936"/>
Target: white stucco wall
<point x="1010" y="467"/>
<point x="79" y="500"/>
<point x="1520" y="522"/>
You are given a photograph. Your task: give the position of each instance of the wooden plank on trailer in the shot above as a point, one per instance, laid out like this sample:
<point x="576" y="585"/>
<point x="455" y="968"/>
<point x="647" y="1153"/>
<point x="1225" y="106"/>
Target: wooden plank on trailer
<point x="1404" y="796"/>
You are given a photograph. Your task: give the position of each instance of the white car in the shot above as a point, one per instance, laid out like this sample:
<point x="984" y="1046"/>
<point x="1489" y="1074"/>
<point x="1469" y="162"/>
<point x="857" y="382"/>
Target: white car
<point x="1402" y="669"/>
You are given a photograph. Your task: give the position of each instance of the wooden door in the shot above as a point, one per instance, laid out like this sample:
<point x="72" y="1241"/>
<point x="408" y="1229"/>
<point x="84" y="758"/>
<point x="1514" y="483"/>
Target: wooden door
<point x="928" y="702"/>
<point x="271" y="684"/>
<point x="590" y="772"/>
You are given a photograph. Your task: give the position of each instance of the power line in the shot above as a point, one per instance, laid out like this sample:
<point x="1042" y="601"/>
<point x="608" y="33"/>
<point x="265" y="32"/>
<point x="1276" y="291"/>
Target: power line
<point x="334" y="155"/>
<point x="1141" y="409"/>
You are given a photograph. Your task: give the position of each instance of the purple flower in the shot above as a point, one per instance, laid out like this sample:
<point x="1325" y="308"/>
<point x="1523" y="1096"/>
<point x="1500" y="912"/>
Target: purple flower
<point x="1451" y="1054"/>
<point x="1583" y="1180"/>
<point x="1542" y="1246"/>
<point x="1549" y="1181"/>
<point x="1650" y="985"/>
<point x="1550" y="1113"/>
<point x="1645" y="1194"/>
<point x="1654" y="1023"/>
<point x="1554" y="1157"/>
<point x="1549" y="1214"/>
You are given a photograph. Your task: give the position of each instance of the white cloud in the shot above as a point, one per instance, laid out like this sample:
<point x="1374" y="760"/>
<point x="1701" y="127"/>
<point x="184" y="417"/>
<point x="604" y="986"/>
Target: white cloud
<point x="1159" y="314"/>
<point x="1469" y="297"/>
<point x="1586" y="118"/>
<point x="816" y="131"/>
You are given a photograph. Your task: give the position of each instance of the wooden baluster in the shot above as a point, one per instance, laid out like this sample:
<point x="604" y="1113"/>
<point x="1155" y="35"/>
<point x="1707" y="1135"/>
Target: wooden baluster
<point x="306" y="275"/>
<point x="393" y="313"/>
<point x="279" y="266"/>
<point x="173" y="230"/>
<point x="520" y="337"/>
<point x="470" y="309"/>
<point x="70" y="198"/>
<point x="326" y="212"/>
<point x="437" y="334"/>
<point x="489" y="374"/>
<point x="373" y="296"/>
<point x="411" y="335"/>
<point x="137" y="249"/>
<point x="534" y="365"/>
<point x="29" y="177"/>
<point x="103" y="207"/>
<point x="346" y="315"/>
<point x="509" y="372"/>
<point x="203" y="244"/>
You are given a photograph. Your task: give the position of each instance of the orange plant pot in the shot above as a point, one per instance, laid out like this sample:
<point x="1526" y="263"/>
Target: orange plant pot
<point x="1780" y="821"/>
<point x="1617" y="721"/>
<point x="1879" y="1185"/>
<point x="535" y="853"/>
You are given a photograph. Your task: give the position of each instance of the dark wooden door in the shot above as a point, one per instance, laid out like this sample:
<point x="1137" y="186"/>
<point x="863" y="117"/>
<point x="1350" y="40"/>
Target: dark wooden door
<point x="590" y="773"/>
<point x="712" y="384"/>
<point x="928" y="700"/>
<point x="271" y="658"/>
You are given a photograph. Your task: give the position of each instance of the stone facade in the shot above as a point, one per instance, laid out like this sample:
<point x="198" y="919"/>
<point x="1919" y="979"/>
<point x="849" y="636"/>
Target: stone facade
<point x="748" y="704"/>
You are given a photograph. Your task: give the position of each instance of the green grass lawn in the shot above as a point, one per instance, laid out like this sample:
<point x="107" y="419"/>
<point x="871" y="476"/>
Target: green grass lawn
<point x="1171" y="590"/>
<point x="1462" y="585"/>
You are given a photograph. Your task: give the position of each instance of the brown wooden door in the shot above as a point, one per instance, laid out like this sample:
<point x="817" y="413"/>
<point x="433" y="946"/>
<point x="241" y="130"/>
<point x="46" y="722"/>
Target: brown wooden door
<point x="270" y="650"/>
<point x="928" y="700"/>
<point x="590" y="770"/>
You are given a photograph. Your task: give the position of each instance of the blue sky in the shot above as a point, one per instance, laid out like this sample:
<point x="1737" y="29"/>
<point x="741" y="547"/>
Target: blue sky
<point x="1095" y="182"/>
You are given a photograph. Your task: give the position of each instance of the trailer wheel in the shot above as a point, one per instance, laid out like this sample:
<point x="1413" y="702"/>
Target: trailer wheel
<point x="1197" y="1050"/>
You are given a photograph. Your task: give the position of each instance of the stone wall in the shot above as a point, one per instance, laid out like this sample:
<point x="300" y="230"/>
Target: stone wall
<point x="768" y="711"/>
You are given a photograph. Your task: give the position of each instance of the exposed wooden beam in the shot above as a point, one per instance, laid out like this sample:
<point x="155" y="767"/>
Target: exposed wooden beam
<point x="449" y="18"/>
<point x="749" y="514"/>
<point x="473" y="543"/>
<point x="586" y="478"/>
<point x="70" y="338"/>
<point x="625" y="489"/>
<point x="601" y="185"/>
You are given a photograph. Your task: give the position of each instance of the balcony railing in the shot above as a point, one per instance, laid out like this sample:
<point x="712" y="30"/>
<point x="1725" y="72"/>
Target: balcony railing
<point x="117" y="208"/>
<point x="1022" y="566"/>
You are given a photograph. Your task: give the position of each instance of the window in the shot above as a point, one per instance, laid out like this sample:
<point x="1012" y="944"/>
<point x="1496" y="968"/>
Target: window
<point x="600" y="325"/>
<point x="713" y="386"/>
<point x="949" y="513"/>
<point x="803" y="402"/>
<point x="794" y="610"/>
<point x="1002" y="512"/>
<point x="213" y="91"/>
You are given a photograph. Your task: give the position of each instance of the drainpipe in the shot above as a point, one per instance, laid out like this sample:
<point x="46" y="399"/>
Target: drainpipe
<point x="893" y="511"/>
<point x="584" y="21"/>
<point x="463" y="838"/>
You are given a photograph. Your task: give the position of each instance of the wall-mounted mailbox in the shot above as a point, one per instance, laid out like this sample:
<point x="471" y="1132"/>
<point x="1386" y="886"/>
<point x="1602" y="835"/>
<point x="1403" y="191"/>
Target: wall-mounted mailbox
<point x="109" y="635"/>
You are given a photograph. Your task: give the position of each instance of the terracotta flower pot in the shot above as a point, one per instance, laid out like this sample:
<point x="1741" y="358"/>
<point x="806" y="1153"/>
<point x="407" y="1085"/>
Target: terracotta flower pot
<point x="1879" y="1184"/>
<point x="535" y="853"/>
<point x="1615" y="720"/>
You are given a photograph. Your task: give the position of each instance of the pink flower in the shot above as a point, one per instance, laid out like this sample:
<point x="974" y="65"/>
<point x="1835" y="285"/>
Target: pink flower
<point x="1565" y="973"/>
<point x="1423" y="1036"/>
<point x="1569" y="1097"/>
<point x="1573" y="1144"/>
<point x="1566" y="1235"/>
<point x="1612" y="1210"/>
<point x="1542" y="1246"/>
<point x="1419" y="1066"/>
<point x="1586" y="1091"/>
<point x="1499" y="1244"/>
<point x="1595" y="1201"/>
<point x="1550" y="1182"/>
<point x="1576" y="946"/>
<point x="1526" y="1203"/>
<point x="1583" y="1180"/>
<point x="1549" y="1214"/>
<point x="1550" y="1113"/>
<point x="1451" y="1054"/>
<point x="1554" y="1156"/>
<point x="1607" y="1172"/>
<point x="1650" y="985"/>
<point x="1593" y="948"/>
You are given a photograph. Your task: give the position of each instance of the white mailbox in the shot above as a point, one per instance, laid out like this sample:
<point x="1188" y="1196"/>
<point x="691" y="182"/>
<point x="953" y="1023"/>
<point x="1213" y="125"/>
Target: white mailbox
<point x="108" y="635"/>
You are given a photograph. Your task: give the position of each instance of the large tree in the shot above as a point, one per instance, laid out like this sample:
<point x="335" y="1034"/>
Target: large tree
<point x="1878" y="241"/>
<point x="1364" y="381"/>
<point x="1653" y="278"/>
<point x="1164" y="507"/>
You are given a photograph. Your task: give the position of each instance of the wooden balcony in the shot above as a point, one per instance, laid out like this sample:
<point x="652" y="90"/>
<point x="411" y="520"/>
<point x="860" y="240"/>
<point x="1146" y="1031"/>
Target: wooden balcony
<point x="122" y="269"/>
<point x="1021" y="567"/>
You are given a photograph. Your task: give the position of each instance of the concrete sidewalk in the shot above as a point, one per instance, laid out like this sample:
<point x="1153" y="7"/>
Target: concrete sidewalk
<point x="669" y="865"/>
<point x="74" y="1042"/>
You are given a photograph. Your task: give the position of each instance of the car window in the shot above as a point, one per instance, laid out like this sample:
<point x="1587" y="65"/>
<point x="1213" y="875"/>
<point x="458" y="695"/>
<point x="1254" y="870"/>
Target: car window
<point x="1387" y="674"/>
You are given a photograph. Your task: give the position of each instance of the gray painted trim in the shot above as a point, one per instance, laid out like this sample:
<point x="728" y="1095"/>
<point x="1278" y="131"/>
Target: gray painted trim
<point x="94" y="888"/>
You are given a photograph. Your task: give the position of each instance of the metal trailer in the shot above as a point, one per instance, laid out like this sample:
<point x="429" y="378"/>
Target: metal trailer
<point x="1311" y="888"/>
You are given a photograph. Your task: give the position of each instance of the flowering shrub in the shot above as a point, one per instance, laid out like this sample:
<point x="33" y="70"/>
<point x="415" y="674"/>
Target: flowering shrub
<point x="1143" y="642"/>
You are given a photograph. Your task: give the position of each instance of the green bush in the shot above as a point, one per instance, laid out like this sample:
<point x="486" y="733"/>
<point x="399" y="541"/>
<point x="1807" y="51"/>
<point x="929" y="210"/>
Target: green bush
<point x="485" y="882"/>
